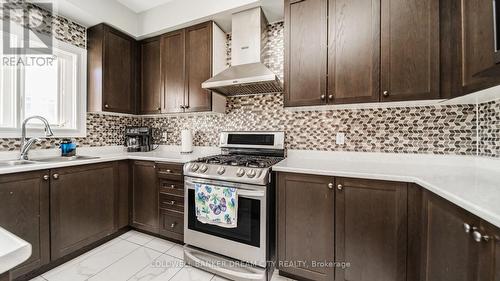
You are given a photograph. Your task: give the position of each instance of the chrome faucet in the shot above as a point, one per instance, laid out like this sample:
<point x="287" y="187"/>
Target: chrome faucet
<point x="26" y="144"/>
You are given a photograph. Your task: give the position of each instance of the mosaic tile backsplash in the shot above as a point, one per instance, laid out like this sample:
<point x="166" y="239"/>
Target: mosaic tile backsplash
<point x="422" y="129"/>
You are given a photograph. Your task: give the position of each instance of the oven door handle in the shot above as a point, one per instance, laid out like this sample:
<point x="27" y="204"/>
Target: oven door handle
<point x="240" y="192"/>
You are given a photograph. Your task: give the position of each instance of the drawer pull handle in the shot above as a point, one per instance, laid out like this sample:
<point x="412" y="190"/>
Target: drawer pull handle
<point x="169" y="203"/>
<point x="46" y="177"/>
<point x="56" y="176"/>
<point x="172" y="186"/>
<point x="173" y="225"/>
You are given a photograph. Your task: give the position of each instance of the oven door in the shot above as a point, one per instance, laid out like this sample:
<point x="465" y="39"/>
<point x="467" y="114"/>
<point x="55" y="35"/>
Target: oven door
<point x="247" y="242"/>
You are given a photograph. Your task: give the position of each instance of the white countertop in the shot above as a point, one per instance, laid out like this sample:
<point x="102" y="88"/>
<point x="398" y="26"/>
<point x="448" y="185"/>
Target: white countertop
<point x="170" y="154"/>
<point x="472" y="183"/>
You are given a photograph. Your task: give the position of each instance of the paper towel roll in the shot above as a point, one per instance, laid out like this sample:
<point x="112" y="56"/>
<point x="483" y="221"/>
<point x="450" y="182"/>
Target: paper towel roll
<point x="186" y="141"/>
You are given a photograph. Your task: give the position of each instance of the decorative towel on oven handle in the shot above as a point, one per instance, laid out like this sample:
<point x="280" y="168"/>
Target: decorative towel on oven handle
<point x="216" y="205"/>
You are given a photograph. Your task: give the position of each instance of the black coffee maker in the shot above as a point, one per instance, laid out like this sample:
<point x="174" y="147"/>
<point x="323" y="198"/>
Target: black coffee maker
<point x="139" y="139"/>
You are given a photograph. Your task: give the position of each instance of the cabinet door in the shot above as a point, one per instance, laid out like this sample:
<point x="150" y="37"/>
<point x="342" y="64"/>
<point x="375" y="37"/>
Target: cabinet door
<point x="119" y="73"/>
<point x="480" y="56"/>
<point x="82" y="207"/>
<point x="145" y="196"/>
<point x="353" y="51"/>
<point x="306" y="225"/>
<point x="305" y="52"/>
<point x="198" y="67"/>
<point x="410" y="49"/>
<point x="150" y="76"/>
<point x="489" y="256"/>
<point x="24" y="211"/>
<point x="451" y="253"/>
<point x="371" y="229"/>
<point x="173" y="71"/>
<point x="123" y="194"/>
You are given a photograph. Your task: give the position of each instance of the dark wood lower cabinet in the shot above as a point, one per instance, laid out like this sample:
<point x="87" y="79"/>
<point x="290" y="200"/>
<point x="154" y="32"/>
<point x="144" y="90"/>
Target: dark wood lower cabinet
<point x="489" y="256"/>
<point x="171" y="200"/>
<point x="306" y="225"/>
<point x="122" y="196"/>
<point x="449" y="252"/>
<point x="145" y="196"/>
<point x="24" y="211"/>
<point x="82" y="206"/>
<point x="371" y="229"/>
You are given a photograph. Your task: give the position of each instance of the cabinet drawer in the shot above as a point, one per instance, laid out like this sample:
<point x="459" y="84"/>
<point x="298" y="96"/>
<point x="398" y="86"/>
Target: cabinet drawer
<point x="169" y="171"/>
<point x="172" y="187"/>
<point x="172" y="202"/>
<point x="172" y="222"/>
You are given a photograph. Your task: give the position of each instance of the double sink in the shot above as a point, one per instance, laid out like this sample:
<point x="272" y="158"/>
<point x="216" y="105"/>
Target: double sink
<point x="57" y="159"/>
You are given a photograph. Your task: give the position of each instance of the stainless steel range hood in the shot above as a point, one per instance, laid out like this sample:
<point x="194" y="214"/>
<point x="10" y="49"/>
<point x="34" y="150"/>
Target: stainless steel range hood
<point x="247" y="75"/>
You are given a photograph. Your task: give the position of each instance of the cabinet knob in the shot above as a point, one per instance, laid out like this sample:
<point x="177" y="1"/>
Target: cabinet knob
<point x="168" y="171"/>
<point x="467" y="228"/>
<point x="322" y="97"/>
<point x="478" y="237"/>
<point x="46" y="177"/>
<point x="172" y="186"/>
<point x="330" y="185"/>
<point x="183" y="107"/>
<point x="11" y="193"/>
<point x="173" y="225"/>
<point x="106" y="106"/>
<point x="56" y="176"/>
<point x="159" y="109"/>
<point x="186" y="106"/>
<point x="340" y="187"/>
<point x="385" y="93"/>
<point x="172" y="202"/>
<point x="330" y="97"/>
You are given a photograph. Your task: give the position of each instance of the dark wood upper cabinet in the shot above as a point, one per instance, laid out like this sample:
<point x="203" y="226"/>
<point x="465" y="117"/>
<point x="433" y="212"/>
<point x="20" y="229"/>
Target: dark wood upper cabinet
<point x="173" y="71"/>
<point x="305" y="52"/>
<point x="144" y="196"/>
<point x="112" y="73"/>
<point x="24" y="211"/>
<point x="353" y="51"/>
<point x="82" y="206"/>
<point x="450" y="253"/>
<point x="480" y="56"/>
<point x="410" y="50"/>
<point x="150" y="65"/>
<point x="198" y="67"/>
<point x="306" y="224"/>
<point x="371" y="229"/>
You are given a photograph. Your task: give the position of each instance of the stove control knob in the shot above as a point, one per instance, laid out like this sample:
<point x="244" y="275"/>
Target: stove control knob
<point x="240" y="172"/>
<point x="194" y="167"/>
<point x="203" y="168"/>
<point x="221" y="170"/>
<point x="251" y="173"/>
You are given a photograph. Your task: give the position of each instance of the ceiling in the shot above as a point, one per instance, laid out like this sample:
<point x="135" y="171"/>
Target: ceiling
<point x="139" y="6"/>
<point x="146" y="18"/>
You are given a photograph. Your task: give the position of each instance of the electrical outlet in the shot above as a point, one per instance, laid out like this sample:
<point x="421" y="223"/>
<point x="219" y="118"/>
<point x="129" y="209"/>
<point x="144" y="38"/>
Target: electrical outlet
<point x="340" y="139"/>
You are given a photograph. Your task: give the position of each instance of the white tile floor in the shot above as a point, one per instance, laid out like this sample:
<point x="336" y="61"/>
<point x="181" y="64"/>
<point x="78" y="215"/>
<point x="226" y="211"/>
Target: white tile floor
<point x="132" y="256"/>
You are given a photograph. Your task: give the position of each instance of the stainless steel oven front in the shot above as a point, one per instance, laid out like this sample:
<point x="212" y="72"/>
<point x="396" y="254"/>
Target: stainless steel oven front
<point x="247" y="242"/>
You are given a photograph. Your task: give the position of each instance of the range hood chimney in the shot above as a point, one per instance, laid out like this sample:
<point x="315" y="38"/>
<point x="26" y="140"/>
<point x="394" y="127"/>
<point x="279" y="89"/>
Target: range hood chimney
<point x="247" y="75"/>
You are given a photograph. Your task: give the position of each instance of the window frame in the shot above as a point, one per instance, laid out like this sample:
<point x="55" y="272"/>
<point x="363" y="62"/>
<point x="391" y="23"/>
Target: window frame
<point x="80" y="116"/>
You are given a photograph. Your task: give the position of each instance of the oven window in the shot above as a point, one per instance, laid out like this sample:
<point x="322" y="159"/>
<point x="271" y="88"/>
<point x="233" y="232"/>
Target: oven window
<point x="247" y="231"/>
<point x="254" y="139"/>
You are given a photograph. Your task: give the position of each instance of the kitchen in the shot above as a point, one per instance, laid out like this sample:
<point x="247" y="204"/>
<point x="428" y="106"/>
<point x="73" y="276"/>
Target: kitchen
<point x="250" y="140"/>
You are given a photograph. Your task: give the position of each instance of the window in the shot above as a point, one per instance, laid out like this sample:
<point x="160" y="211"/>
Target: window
<point x="52" y="86"/>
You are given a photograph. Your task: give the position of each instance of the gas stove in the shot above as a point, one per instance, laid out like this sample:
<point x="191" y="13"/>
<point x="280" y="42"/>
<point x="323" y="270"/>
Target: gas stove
<point x="247" y="158"/>
<point x="245" y="166"/>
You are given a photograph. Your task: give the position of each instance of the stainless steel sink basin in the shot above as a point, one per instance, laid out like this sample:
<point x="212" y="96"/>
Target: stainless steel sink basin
<point x="12" y="163"/>
<point x="65" y="159"/>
